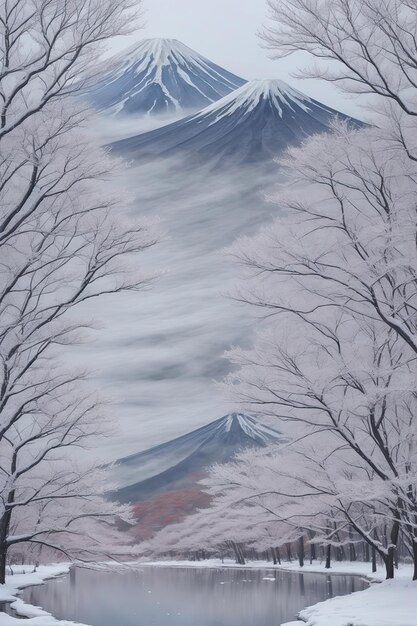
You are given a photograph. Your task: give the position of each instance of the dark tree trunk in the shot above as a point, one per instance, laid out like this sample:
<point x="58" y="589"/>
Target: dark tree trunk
<point x="389" y="564"/>
<point x="367" y="554"/>
<point x="389" y="559"/>
<point x="235" y="550"/>
<point x="240" y="559"/>
<point x="352" y="549"/>
<point x="3" y="561"/>
<point x="373" y="560"/>
<point x="278" y="555"/>
<point x="4" y="531"/>
<point x="274" y="556"/>
<point x="415" y="560"/>
<point x="313" y="554"/>
<point x="301" y="551"/>
<point x="328" y="556"/>
<point x="289" y="555"/>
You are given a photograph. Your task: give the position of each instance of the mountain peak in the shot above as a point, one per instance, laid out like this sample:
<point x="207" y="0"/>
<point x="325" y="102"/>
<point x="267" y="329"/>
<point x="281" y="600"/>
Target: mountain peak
<point x="253" y="124"/>
<point x="156" y="76"/>
<point x="159" y="49"/>
<point x="248" y="97"/>
<point x="247" y="426"/>
<point x="217" y="442"/>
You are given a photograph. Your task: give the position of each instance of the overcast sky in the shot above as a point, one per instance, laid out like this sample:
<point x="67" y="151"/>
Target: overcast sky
<point x="225" y="31"/>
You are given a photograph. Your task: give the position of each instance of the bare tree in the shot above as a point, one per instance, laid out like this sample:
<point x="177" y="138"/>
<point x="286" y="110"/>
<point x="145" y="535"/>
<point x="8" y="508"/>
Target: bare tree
<point x="345" y="253"/>
<point x="65" y="239"/>
<point x="369" y="46"/>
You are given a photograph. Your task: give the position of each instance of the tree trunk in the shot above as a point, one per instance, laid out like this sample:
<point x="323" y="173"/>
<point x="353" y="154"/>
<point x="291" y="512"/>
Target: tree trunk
<point x="235" y="550"/>
<point x="289" y="555"/>
<point x="352" y="549"/>
<point x="240" y="559"/>
<point x="313" y="554"/>
<point x="328" y="556"/>
<point x="301" y="551"/>
<point x="389" y="559"/>
<point x="415" y="560"/>
<point x="278" y="555"/>
<point x="389" y="564"/>
<point x="367" y="554"/>
<point x="3" y="561"/>
<point x="373" y="560"/>
<point x="4" y="531"/>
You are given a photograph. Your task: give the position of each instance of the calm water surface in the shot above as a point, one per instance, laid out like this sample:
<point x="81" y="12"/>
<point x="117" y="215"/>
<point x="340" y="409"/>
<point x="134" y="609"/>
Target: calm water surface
<point x="156" y="596"/>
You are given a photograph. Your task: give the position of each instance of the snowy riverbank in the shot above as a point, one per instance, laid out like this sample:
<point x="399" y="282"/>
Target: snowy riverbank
<point x="23" y="577"/>
<point x="391" y="603"/>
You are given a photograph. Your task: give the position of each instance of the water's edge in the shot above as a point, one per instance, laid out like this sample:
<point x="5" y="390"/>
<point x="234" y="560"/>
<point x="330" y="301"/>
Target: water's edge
<point x="21" y="610"/>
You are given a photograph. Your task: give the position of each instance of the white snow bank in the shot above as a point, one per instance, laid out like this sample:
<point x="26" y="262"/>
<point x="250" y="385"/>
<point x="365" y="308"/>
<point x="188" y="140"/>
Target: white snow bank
<point x="355" y="568"/>
<point x="24" y="577"/>
<point x="391" y="603"/>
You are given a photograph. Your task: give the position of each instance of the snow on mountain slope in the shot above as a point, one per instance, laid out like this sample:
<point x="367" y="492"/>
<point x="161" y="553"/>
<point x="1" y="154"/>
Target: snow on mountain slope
<point x="254" y="123"/>
<point x="159" y="76"/>
<point x="179" y="462"/>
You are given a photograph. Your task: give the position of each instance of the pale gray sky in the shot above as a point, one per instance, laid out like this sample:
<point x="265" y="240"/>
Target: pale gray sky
<point x="225" y="31"/>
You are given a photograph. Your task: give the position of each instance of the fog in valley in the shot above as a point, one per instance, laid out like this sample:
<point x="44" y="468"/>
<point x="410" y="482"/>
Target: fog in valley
<point x="159" y="354"/>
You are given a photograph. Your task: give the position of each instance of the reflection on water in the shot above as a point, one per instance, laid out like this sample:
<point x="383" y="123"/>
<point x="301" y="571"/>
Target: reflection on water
<point x="157" y="596"/>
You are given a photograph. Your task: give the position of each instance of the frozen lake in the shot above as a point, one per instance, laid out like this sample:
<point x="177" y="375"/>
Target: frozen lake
<point x="157" y="596"/>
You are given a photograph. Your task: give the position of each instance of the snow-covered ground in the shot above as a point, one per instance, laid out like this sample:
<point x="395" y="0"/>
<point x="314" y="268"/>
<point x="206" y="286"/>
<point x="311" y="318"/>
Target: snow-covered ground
<point x="24" y="577"/>
<point x="391" y="603"/>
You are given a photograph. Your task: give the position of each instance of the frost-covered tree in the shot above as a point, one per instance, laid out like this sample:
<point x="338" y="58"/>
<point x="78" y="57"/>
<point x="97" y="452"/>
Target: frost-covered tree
<point x="336" y="273"/>
<point x="364" y="46"/>
<point x="64" y="240"/>
<point x="332" y="371"/>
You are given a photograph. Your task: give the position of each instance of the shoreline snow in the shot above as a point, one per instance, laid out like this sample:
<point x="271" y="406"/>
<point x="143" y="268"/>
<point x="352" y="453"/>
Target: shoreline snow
<point x="338" y="568"/>
<point x="22" y="578"/>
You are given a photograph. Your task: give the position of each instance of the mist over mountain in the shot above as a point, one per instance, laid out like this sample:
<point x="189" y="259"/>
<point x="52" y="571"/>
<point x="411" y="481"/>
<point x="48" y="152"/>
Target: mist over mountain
<point x="159" y="76"/>
<point x="254" y="123"/>
<point x="183" y="326"/>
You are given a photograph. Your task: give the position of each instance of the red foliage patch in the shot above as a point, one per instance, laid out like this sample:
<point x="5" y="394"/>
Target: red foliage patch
<point x="167" y="508"/>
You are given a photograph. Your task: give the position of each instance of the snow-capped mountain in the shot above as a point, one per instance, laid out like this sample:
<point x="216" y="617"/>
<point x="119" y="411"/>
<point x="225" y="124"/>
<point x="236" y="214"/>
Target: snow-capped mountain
<point x="180" y="463"/>
<point x="158" y="76"/>
<point x="254" y="123"/>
